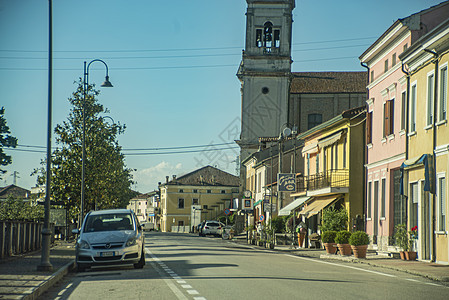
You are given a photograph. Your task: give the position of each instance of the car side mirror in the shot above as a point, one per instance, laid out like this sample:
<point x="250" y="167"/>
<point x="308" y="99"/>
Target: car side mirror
<point x="76" y="231"/>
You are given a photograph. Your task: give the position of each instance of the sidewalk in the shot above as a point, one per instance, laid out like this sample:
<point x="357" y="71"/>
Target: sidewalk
<point x="19" y="278"/>
<point x="432" y="271"/>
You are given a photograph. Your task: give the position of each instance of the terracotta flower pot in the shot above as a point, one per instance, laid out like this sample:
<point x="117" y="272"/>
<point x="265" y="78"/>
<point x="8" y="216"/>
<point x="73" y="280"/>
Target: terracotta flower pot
<point x="301" y="237"/>
<point x="359" y="251"/>
<point x="345" y="249"/>
<point x="331" y="248"/>
<point x="402" y="254"/>
<point x="410" y="255"/>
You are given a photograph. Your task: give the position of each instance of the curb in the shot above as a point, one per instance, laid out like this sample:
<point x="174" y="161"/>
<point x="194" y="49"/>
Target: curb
<point x="35" y="292"/>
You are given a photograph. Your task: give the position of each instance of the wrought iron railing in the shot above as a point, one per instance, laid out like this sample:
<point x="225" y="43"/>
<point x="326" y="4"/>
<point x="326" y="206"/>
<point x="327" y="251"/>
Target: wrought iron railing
<point x="330" y="178"/>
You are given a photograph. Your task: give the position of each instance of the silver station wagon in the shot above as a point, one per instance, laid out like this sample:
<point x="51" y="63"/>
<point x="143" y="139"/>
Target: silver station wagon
<point x="110" y="237"/>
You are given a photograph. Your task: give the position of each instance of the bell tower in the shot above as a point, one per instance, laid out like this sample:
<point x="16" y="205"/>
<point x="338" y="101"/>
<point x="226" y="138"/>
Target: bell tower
<point x="265" y="71"/>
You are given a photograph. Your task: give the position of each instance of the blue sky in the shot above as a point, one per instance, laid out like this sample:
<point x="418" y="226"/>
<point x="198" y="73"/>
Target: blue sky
<point x="172" y="64"/>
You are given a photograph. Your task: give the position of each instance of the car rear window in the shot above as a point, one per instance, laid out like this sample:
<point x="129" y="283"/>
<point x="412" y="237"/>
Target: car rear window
<point x="213" y="224"/>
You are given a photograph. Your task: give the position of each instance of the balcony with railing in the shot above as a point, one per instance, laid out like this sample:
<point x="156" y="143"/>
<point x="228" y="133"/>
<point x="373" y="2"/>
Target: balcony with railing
<point x="323" y="182"/>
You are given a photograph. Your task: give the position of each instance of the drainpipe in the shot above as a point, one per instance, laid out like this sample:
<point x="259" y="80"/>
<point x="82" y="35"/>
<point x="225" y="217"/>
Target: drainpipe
<point x="365" y="174"/>
<point x="433" y="186"/>
<point x="405" y="198"/>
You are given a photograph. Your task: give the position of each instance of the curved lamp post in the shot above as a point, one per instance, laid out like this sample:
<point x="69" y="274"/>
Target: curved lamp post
<point x="106" y="83"/>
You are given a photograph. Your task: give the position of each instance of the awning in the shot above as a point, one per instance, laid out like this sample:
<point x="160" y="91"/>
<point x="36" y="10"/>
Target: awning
<point x="310" y="149"/>
<point x="285" y="211"/>
<point x="330" y="140"/>
<point x="318" y="203"/>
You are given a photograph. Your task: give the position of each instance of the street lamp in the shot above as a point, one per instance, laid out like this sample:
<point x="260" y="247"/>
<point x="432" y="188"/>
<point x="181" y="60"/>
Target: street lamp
<point x="106" y="83"/>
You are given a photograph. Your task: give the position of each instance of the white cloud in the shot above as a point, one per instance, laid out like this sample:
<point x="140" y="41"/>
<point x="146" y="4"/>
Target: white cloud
<point x="148" y="178"/>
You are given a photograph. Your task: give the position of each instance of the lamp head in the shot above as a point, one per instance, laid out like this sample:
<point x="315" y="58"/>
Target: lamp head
<point x="106" y="83"/>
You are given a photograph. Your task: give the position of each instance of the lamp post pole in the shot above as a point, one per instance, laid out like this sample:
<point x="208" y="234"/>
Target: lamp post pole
<point x="106" y="83"/>
<point x="45" y="264"/>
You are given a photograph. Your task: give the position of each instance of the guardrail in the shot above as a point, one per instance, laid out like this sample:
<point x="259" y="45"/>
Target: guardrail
<point x="17" y="237"/>
<point x="180" y="229"/>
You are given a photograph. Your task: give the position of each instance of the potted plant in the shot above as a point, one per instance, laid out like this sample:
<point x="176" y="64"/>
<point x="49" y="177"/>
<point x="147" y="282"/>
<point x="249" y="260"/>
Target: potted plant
<point x="342" y="240"/>
<point x="401" y="239"/>
<point x="328" y="238"/>
<point x="359" y="241"/>
<point x="413" y="236"/>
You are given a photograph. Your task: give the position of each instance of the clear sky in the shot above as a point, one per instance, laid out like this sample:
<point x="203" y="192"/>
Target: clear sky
<point x="173" y="66"/>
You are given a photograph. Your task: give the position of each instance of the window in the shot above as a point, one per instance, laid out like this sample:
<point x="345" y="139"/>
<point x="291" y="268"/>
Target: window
<point x="180" y="203"/>
<point x="403" y="109"/>
<point x="336" y="156"/>
<point x="268" y="38"/>
<point x="443" y="94"/>
<point x="413" y="108"/>
<point x="223" y="191"/>
<point x="195" y="191"/>
<point x="386" y="66"/>
<point x="317" y="163"/>
<point x="369" y="128"/>
<point x="209" y="191"/>
<point x="259" y="40"/>
<point x="314" y="120"/>
<point x="414" y="204"/>
<point x="331" y="149"/>
<point x="308" y="164"/>
<point x="430" y="93"/>
<point x="441" y="204"/>
<point x="371" y="78"/>
<point x="195" y="201"/>
<point x="344" y="152"/>
<point x="405" y="47"/>
<point x="388" y="117"/>
<point x="181" y="191"/>
<point x="180" y="223"/>
<point x="383" y="198"/>
<point x="393" y="59"/>
<point x="369" y="200"/>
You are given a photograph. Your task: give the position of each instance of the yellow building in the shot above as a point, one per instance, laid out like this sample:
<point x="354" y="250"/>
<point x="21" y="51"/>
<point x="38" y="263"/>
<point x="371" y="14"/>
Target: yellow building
<point x="197" y="196"/>
<point x="427" y="165"/>
<point x="333" y="167"/>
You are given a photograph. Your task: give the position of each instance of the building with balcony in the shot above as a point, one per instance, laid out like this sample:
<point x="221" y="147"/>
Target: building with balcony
<point x="333" y="156"/>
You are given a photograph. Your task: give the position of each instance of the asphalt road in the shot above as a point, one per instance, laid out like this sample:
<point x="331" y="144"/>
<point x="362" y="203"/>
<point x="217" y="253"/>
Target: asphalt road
<point x="190" y="267"/>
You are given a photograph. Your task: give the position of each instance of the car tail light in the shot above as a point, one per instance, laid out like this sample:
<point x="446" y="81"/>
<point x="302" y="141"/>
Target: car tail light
<point x="205" y="227"/>
<point x="219" y="227"/>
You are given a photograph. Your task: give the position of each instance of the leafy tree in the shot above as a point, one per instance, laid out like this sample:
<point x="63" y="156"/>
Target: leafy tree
<point x="18" y="209"/>
<point x="334" y="219"/>
<point x="6" y="140"/>
<point x="107" y="179"/>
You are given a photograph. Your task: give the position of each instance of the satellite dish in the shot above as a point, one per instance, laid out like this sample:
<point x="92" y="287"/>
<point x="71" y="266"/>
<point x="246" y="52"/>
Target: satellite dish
<point x="286" y="132"/>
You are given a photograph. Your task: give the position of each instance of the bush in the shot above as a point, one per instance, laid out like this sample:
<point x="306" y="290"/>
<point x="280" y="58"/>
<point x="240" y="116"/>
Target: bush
<point x="278" y="224"/>
<point x="359" y="238"/>
<point x="401" y="237"/>
<point x="328" y="236"/>
<point x="342" y="237"/>
<point x="333" y="219"/>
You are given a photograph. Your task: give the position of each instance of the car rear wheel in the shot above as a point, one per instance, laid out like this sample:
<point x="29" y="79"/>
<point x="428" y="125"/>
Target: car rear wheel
<point x="141" y="262"/>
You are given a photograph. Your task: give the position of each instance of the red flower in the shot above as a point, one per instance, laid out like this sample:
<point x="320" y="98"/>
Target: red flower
<point x="415" y="228"/>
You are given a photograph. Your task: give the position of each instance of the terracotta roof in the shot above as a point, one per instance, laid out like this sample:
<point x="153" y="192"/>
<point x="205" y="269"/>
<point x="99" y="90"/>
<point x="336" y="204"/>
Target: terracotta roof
<point x="328" y="82"/>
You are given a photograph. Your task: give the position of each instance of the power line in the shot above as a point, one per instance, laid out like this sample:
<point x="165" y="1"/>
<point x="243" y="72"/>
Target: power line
<point x="176" y="49"/>
<point x="182" y="152"/>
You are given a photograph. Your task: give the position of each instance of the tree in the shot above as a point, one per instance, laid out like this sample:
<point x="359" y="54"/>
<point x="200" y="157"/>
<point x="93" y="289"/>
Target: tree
<point x="107" y="180"/>
<point x="6" y="141"/>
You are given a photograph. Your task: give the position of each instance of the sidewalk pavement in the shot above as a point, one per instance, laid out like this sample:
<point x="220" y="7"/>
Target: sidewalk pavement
<point x="19" y="278"/>
<point x="429" y="270"/>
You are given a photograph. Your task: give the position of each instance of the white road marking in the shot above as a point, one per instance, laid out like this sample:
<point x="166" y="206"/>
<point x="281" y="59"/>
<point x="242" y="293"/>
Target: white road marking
<point x="175" y="276"/>
<point x="339" y="265"/>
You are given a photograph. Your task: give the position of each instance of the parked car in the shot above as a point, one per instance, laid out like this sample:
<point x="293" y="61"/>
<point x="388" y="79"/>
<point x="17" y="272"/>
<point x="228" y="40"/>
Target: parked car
<point x="212" y="227"/>
<point x="110" y="237"/>
<point x="148" y="226"/>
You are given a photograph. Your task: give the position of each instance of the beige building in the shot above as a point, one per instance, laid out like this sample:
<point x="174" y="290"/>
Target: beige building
<point x="200" y="195"/>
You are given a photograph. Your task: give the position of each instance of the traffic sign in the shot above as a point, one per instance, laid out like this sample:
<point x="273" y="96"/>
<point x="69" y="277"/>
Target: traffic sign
<point x="261" y="218"/>
<point x="227" y="211"/>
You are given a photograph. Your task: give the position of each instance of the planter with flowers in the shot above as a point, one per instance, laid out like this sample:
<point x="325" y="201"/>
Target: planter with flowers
<point x="359" y="241"/>
<point x="406" y="241"/>
<point x="328" y="238"/>
<point x="413" y="236"/>
<point x="342" y="240"/>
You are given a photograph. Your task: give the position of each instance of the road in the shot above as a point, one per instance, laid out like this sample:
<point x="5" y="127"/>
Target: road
<point x="190" y="267"/>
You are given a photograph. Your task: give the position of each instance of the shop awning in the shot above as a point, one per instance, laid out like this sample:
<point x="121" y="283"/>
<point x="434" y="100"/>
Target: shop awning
<point x="285" y="211"/>
<point x="330" y="140"/>
<point x="318" y="203"/>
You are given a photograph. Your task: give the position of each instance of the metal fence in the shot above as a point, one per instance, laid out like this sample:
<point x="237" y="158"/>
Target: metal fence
<point x="17" y="237"/>
<point x="330" y="178"/>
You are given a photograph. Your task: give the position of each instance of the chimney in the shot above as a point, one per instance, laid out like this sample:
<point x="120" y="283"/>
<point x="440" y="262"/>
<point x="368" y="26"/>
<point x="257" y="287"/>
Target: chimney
<point x="174" y="178"/>
<point x="166" y="179"/>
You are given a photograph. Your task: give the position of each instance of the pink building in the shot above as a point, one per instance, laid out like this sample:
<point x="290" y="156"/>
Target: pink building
<point x="387" y="116"/>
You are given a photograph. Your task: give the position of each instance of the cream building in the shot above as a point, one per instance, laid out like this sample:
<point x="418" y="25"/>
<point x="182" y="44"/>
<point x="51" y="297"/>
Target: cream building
<point x="201" y="195"/>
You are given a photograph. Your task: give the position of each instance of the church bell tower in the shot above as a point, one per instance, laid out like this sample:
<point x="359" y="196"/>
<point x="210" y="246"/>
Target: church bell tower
<point x="265" y="71"/>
